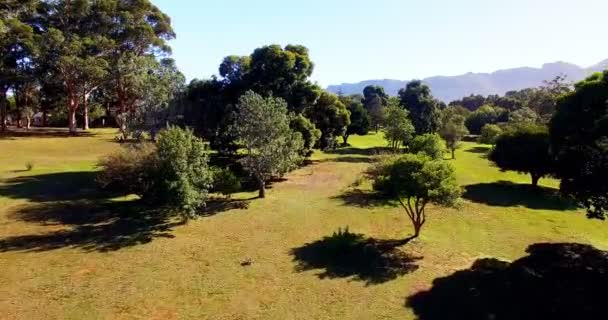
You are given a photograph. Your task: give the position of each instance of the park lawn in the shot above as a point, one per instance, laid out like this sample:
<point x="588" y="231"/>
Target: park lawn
<point x="67" y="254"/>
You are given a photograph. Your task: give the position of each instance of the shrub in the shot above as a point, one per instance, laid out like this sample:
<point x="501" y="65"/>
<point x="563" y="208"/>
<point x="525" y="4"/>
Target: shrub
<point x="174" y="173"/>
<point x="430" y="144"/>
<point x="310" y="133"/>
<point x="225" y="181"/>
<point x="489" y="134"/>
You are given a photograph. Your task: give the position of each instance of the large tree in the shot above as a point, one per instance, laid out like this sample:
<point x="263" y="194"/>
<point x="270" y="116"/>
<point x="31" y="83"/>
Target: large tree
<point x="375" y="100"/>
<point x="330" y="116"/>
<point x="423" y="108"/>
<point x="397" y="127"/>
<point x="579" y="135"/>
<point x="524" y="148"/>
<point x="415" y="181"/>
<point x="452" y="129"/>
<point x="360" y="121"/>
<point x="262" y="128"/>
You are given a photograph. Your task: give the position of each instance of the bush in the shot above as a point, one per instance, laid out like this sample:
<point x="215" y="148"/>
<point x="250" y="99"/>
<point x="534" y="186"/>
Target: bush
<point x="489" y="134"/>
<point x="310" y="133"/>
<point x="430" y="144"/>
<point x="225" y="181"/>
<point x="174" y="173"/>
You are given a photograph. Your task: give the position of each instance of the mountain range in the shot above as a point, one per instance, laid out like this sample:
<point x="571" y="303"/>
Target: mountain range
<point x="449" y="88"/>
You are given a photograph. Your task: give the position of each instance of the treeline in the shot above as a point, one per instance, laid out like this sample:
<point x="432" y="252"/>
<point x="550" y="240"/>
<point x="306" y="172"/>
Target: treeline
<point x="84" y="59"/>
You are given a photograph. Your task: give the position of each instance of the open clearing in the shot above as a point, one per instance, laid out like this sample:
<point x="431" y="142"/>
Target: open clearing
<point x="67" y="254"/>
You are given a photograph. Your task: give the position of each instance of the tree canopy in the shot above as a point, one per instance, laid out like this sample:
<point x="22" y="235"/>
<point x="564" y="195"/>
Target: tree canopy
<point x="423" y="108"/>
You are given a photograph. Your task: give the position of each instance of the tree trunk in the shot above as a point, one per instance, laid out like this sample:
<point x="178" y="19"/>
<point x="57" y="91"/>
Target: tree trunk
<point x="3" y="103"/>
<point x="85" y="113"/>
<point x="28" y="122"/>
<point x="72" y="115"/>
<point x="44" y="117"/>
<point x="262" y="193"/>
<point x="453" y="154"/>
<point x="345" y="138"/>
<point x="535" y="178"/>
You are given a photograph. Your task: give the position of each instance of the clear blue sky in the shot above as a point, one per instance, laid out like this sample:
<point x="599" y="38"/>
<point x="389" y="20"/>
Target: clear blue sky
<point x="398" y="39"/>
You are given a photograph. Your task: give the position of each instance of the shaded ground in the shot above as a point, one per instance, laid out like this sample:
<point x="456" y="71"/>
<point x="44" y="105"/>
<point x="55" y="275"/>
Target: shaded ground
<point x="346" y="254"/>
<point x="34" y="132"/>
<point x="508" y="194"/>
<point x="555" y="281"/>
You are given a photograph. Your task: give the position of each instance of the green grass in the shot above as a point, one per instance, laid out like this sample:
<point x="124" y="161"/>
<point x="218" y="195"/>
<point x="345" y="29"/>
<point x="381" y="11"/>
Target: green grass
<point x="67" y="252"/>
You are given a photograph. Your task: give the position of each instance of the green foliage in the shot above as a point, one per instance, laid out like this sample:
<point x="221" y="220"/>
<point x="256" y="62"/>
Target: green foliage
<point x="524" y="148"/>
<point x="424" y="109"/>
<point x="397" y="127"/>
<point x="523" y="115"/>
<point x="429" y="144"/>
<point x="307" y="129"/>
<point x="452" y="129"/>
<point x="360" y="121"/>
<point x="375" y="101"/>
<point x="271" y="148"/>
<point x="174" y="173"/>
<point x="489" y="134"/>
<point x="485" y="115"/>
<point x="225" y="181"/>
<point x="330" y="116"/>
<point x="415" y="181"/>
<point x="579" y="134"/>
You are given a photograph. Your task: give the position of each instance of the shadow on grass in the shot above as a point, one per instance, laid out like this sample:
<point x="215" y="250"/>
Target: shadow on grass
<point x="359" y="151"/>
<point x="15" y="133"/>
<point x="51" y="187"/>
<point x="364" y="199"/>
<point x="345" y="254"/>
<point x="509" y="194"/>
<point x="219" y="205"/>
<point x="354" y="159"/>
<point x="91" y="225"/>
<point x="479" y="150"/>
<point x="555" y="281"/>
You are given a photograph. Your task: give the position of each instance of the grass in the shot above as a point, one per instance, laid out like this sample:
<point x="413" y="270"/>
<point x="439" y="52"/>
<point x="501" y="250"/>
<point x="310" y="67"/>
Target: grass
<point x="67" y="252"/>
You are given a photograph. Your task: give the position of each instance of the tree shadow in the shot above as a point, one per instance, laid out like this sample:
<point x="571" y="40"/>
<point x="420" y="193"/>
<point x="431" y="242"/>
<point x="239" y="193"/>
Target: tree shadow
<point x="346" y="255"/>
<point x="218" y="205"/>
<point x="555" y="281"/>
<point x="51" y="187"/>
<point x="351" y="160"/>
<point x="359" y="151"/>
<point x="479" y="149"/>
<point x="15" y="133"/>
<point x="97" y="225"/>
<point x="509" y="194"/>
<point x="364" y="199"/>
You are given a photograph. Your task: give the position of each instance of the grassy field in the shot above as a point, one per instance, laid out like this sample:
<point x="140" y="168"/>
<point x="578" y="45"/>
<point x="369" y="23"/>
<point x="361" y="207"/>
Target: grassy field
<point x="67" y="252"/>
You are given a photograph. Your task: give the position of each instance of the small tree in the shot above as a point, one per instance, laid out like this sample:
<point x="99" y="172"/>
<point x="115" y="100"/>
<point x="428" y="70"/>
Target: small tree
<point x="429" y="144"/>
<point x="271" y="147"/>
<point x="452" y="129"/>
<point x="523" y="115"/>
<point x="330" y="116"/>
<point x="525" y="149"/>
<point x="489" y="134"/>
<point x="415" y="181"/>
<point x="310" y="133"/>
<point x="360" y="121"/>
<point x="398" y="128"/>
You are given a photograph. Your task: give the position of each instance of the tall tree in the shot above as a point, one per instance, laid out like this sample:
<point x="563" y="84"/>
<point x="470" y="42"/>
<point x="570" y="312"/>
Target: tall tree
<point x="579" y="136"/>
<point x="330" y="116"/>
<point x="375" y="100"/>
<point x="423" y="108"/>
<point x="271" y="147"/>
<point x="397" y="127"/>
<point x="452" y="129"/>
<point x="360" y="121"/>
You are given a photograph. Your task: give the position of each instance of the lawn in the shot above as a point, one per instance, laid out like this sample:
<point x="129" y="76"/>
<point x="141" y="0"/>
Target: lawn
<point x="68" y="252"/>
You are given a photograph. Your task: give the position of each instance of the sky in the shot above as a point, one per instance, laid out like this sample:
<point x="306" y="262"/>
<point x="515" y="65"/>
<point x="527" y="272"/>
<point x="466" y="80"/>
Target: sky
<point x="352" y="40"/>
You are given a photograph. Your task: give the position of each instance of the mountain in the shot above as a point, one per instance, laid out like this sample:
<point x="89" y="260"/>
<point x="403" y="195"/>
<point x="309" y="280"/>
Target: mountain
<point x="449" y="88"/>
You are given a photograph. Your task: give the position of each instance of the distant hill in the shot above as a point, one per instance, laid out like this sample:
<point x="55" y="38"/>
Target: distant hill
<point x="449" y="88"/>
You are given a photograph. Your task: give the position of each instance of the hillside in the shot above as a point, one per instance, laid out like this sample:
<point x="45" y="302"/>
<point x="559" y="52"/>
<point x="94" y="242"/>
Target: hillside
<point x="448" y="88"/>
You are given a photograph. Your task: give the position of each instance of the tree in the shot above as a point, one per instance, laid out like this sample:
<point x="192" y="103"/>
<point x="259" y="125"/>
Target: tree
<point x="307" y="129"/>
<point x="271" y="147"/>
<point x="489" y="134"/>
<point x="330" y="116"/>
<point x="360" y="121"/>
<point x="523" y="115"/>
<point x="524" y="148"/>
<point x="375" y="101"/>
<point x="485" y="115"/>
<point x="429" y="144"/>
<point x="423" y="108"/>
<point x="452" y="129"/>
<point x="579" y="138"/>
<point x="415" y="181"/>
<point x="398" y="129"/>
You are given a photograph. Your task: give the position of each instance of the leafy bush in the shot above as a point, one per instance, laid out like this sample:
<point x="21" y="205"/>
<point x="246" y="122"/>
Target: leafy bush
<point x="310" y="133"/>
<point x="489" y="134"/>
<point x="430" y="144"/>
<point x="225" y="181"/>
<point x="173" y="173"/>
